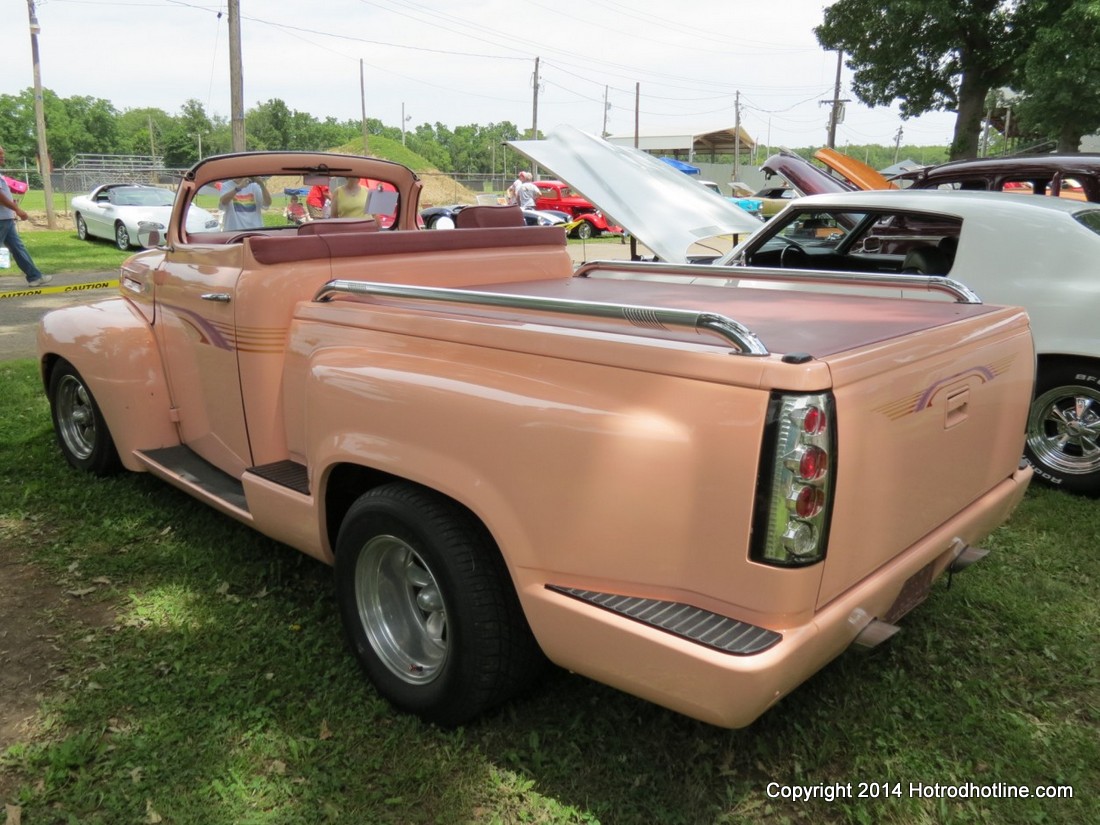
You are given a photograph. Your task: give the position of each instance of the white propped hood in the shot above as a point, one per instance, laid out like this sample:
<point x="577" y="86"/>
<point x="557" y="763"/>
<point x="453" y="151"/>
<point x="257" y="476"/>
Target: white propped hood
<point x="663" y="208"/>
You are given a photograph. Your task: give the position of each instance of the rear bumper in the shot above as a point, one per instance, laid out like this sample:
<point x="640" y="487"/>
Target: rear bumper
<point x="733" y="690"/>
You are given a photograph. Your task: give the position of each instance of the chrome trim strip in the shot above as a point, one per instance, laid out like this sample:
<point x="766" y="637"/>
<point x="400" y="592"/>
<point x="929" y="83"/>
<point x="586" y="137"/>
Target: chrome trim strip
<point x="744" y="339"/>
<point x="692" y="623"/>
<point x="932" y="283"/>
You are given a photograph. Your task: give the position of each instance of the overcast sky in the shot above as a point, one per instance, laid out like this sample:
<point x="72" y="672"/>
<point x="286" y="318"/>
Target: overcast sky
<point x="465" y="62"/>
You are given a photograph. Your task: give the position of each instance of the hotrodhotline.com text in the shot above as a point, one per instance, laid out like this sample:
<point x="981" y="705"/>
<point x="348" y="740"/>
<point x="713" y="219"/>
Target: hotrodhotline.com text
<point x="829" y="792"/>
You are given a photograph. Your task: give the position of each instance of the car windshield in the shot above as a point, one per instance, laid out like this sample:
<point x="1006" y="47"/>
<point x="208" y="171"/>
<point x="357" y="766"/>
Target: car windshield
<point x="820" y="228"/>
<point x="142" y="197"/>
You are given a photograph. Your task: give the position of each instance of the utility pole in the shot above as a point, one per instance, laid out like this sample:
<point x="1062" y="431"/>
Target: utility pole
<point x="535" y="113"/>
<point x="897" y="143"/>
<point x="535" y="103"/>
<point x="236" y="77"/>
<point x="737" y="136"/>
<point x="606" y="107"/>
<point x="363" y="105"/>
<point x="44" y="165"/>
<point x="637" y="110"/>
<point x="836" y="114"/>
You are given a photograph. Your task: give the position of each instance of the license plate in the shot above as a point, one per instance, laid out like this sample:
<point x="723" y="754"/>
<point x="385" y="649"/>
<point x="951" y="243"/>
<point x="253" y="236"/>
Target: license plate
<point x="913" y="592"/>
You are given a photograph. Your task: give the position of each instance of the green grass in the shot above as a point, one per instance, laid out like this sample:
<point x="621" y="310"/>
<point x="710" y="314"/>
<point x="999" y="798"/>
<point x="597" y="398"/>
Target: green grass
<point x="59" y="251"/>
<point x="223" y="693"/>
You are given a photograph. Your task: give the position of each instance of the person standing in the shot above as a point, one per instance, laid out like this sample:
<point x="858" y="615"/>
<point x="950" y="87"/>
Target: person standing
<point x="350" y="200"/>
<point x="242" y="203"/>
<point x="513" y="190"/>
<point x="316" y="201"/>
<point x="527" y="193"/>
<point x="10" y="211"/>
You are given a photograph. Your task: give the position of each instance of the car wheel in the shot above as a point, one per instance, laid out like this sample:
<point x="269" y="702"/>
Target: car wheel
<point x="583" y="231"/>
<point x="1063" y="427"/>
<point x="442" y="222"/>
<point x="82" y="228"/>
<point x="122" y="236"/>
<point x="428" y="605"/>
<point x="81" y="430"/>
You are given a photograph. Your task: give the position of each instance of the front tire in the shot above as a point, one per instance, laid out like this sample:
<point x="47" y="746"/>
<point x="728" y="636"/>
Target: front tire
<point x="82" y="228"/>
<point x="428" y="605"/>
<point x="1063" y="427"/>
<point x="122" y="236"/>
<point x="78" y="424"/>
<point x="583" y="230"/>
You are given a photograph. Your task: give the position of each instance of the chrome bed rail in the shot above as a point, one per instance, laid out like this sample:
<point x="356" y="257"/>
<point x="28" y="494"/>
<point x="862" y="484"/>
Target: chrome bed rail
<point x="746" y="342"/>
<point x="931" y="283"/>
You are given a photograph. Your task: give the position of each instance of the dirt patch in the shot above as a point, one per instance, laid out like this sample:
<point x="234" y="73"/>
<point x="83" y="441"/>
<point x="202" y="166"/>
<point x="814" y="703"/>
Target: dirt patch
<point x="35" y="613"/>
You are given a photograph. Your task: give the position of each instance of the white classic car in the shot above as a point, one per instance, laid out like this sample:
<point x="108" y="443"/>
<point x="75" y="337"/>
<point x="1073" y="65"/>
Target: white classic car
<point x="1039" y="253"/>
<point x="1035" y="252"/>
<point x="115" y="210"/>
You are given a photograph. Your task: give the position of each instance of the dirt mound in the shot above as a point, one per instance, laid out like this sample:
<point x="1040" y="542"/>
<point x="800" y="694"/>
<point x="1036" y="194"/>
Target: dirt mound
<point x="439" y="189"/>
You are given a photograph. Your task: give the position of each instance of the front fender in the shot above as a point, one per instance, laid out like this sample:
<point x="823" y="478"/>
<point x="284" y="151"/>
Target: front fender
<point x="112" y="346"/>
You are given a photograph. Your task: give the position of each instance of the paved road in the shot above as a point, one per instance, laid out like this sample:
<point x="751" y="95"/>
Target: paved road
<point x="19" y="314"/>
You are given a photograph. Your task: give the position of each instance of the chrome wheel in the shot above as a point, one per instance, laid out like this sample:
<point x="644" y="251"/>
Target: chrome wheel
<point x="122" y="237"/>
<point x="81" y="228"/>
<point x="76" y="419"/>
<point x="428" y="605"/>
<point x="1063" y="430"/>
<point x="401" y="608"/>
<point x="78" y="423"/>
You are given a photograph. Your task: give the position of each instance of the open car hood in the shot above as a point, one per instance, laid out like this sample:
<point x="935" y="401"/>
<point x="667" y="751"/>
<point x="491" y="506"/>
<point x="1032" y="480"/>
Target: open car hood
<point x="803" y="176"/>
<point x="663" y="208"/>
<point x="853" y="170"/>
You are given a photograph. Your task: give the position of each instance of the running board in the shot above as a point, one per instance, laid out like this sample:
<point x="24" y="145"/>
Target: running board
<point x="184" y="468"/>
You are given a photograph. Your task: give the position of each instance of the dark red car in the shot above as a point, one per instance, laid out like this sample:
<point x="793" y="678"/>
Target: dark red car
<point x="1068" y="176"/>
<point x="587" y="220"/>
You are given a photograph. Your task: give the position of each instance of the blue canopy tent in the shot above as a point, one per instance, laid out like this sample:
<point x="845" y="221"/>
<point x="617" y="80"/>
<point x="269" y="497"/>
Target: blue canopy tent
<point x="686" y="168"/>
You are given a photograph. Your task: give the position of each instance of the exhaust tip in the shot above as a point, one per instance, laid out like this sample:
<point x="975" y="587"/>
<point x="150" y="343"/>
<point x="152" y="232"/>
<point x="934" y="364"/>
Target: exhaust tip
<point x="874" y="634"/>
<point x="967" y="556"/>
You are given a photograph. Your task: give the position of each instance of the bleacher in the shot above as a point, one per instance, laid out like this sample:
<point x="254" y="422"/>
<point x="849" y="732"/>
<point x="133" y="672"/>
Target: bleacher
<point x="86" y="171"/>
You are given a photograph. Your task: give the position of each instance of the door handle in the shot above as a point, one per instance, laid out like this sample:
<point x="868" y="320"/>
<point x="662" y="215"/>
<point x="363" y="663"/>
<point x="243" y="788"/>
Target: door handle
<point x="219" y="297"/>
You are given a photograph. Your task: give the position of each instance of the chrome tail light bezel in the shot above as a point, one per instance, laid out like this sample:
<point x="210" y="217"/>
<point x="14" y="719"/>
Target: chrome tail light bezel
<point x="793" y="512"/>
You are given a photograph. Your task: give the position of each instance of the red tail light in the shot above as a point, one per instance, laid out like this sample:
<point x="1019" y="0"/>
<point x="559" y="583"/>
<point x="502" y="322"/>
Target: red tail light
<point x="797" y="471"/>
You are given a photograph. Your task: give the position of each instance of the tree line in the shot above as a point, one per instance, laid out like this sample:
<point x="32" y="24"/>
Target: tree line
<point x="89" y="125"/>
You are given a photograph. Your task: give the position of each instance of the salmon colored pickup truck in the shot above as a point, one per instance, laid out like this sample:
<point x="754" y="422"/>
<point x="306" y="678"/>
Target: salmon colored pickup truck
<point x="698" y="495"/>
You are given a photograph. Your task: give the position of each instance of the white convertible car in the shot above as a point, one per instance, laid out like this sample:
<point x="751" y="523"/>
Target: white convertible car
<point x="1025" y="250"/>
<point x="114" y="210"/>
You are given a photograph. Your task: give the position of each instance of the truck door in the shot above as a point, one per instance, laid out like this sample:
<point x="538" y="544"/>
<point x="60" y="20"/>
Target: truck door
<point x="195" y="327"/>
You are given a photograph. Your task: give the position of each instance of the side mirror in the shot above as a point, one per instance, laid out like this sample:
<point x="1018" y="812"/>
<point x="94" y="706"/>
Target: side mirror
<point x="149" y="235"/>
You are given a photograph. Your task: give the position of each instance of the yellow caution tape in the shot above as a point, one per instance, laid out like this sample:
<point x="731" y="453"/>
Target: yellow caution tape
<point x="58" y="289"/>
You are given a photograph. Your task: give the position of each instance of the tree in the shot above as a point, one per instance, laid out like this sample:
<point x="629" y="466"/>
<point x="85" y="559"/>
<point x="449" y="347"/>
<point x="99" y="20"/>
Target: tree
<point x="934" y="55"/>
<point x="17" y="131"/>
<point x="1061" y="82"/>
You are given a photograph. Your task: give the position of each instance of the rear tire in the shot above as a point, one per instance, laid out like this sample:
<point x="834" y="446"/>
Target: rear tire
<point x="81" y="430"/>
<point x="428" y="605"/>
<point x="1063" y="426"/>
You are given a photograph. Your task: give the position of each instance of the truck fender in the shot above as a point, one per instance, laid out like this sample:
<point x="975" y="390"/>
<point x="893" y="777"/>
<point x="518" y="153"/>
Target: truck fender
<point x="112" y="346"/>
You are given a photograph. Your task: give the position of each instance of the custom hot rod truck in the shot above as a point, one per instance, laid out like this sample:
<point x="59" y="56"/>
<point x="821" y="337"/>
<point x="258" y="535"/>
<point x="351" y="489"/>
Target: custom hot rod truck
<point x="698" y="495"/>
